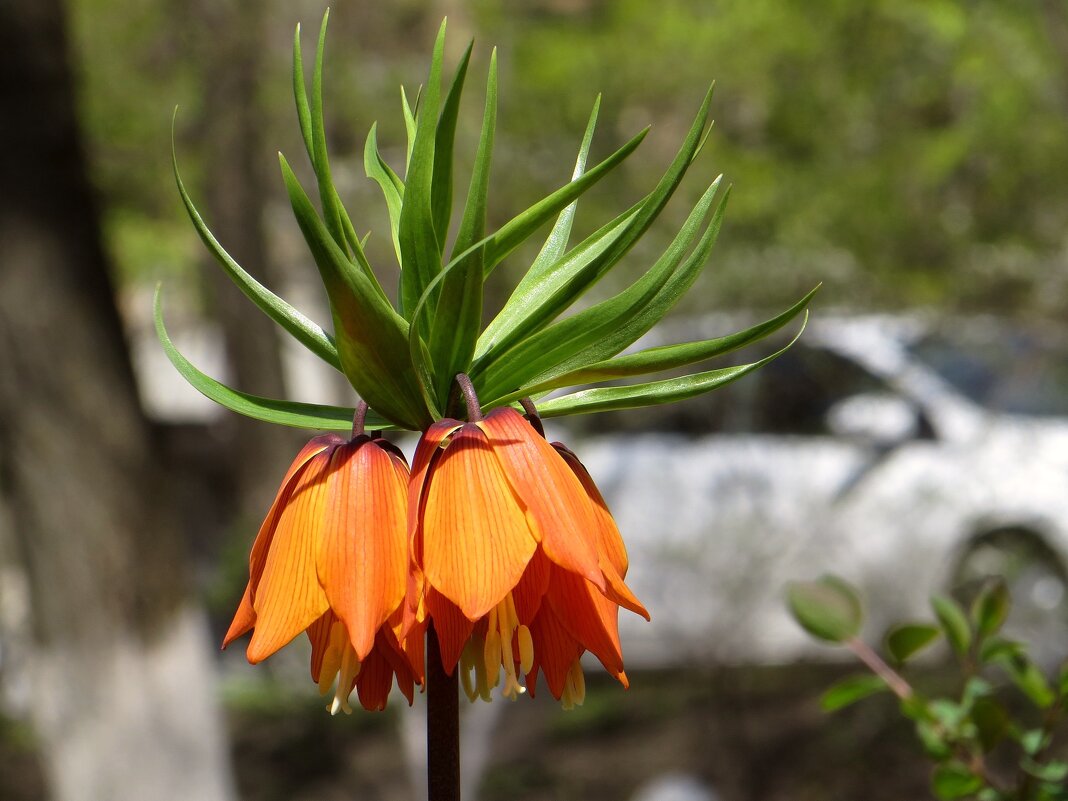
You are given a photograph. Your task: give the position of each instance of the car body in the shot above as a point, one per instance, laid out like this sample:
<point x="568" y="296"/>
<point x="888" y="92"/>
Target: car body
<point x="865" y="452"/>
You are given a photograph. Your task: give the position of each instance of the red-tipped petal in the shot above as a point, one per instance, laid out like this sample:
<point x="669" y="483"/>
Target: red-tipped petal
<point x="374" y="681"/>
<point x="288" y="597"/>
<point x="587" y="616"/>
<point x="362" y="559"/>
<point x="452" y="627"/>
<point x="475" y="537"/>
<point x="610" y="543"/>
<point x="244" y="619"/>
<point x="552" y="494"/>
<point x="555" y="651"/>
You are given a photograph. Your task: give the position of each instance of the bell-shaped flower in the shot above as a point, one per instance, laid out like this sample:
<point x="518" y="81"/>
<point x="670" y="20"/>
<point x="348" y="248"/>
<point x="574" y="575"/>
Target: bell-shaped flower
<point x="331" y="559"/>
<point x="515" y="561"/>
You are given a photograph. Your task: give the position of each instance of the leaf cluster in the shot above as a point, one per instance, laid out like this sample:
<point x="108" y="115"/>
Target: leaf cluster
<point x="966" y="733"/>
<point x="402" y="358"/>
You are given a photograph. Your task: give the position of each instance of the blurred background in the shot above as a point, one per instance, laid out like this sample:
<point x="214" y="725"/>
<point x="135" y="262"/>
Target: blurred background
<point x="911" y="155"/>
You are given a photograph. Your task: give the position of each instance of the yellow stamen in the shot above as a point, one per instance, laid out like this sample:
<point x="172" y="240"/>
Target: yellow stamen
<point x="526" y="650"/>
<point x="574" y="687"/>
<point x="339" y="662"/>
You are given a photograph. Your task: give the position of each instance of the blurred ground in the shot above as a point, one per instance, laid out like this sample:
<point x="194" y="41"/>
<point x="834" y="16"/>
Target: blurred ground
<point x="749" y="734"/>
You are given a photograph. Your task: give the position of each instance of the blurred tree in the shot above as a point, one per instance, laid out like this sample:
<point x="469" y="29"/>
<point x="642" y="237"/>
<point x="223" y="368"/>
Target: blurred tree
<point x="124" y="694"/>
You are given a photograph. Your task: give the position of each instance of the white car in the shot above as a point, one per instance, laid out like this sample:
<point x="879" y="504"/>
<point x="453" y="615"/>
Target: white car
<point x="907" y="457"/>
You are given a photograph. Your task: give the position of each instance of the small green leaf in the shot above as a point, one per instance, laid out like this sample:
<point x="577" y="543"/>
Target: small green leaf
<point x="310" y="335"/>
<point x="1029" y="679"/>
<point x="828" y="608"/>
<point x="409" y="124"/>
<point x="990" y="608"/>
<point x="1053" y="771"/>
<point x="955" y="780"/>
<point x="996" y="649"/>
<point x="391" y="184"/>
<point x="850" y="690"/>
<point x="653" y="393"/>
<point x="282" y="412"/>
<point x="300" y="95"/>
<point x="949" y="714"/>
<point x="954" y="623"/>
<point x="907" y="639"/>
<point x="933" y="739"/>
<point x="1032" y="741"/>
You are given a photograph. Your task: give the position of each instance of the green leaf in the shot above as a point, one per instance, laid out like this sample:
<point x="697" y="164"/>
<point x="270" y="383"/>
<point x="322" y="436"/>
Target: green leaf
<point x="409" y="125"/>
<point x="653" y="393"/>
<point x="550" y="259"/>
<point x="307" y="333"/>
<point x="441" y="185"/>
<point x="554" y="349"/>
<point x="850" y="690"/>
<point x="990" y="608"/>
<point x="533" y="306"/>
<point x="954" y="623"/>
<point x="828" y="608"/>
<point x="1029" y="679"/>
<point x="516" y="231"/>
<point x="1033" y="740"/>
<point x="996" y="649"/>
<point x="282" y="412"/>
<point x="300" y="95"/>
<point x="458" y="316"/>
<point x="420" y="251"/>
<point x="372" y="339"/>
<point x="991" y="722"/>
<point x="955" y="780"/>
<point x="664" y="357"/>
<point x="933" y="739"/>
<point x="1052" y="771"/>
<point x="908" y="639"/>
<point x="392" y="186"/>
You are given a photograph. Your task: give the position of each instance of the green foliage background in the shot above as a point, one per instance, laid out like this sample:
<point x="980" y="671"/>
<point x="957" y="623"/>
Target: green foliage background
<point x="902" y="151"/>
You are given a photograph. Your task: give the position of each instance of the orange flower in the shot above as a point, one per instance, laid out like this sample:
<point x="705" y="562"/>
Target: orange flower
<point x="516" y="560"/>
<point x="330" y="559"/>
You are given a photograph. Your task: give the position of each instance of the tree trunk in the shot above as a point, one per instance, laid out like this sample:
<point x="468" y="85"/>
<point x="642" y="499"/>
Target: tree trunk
<point x="124" y="704"/>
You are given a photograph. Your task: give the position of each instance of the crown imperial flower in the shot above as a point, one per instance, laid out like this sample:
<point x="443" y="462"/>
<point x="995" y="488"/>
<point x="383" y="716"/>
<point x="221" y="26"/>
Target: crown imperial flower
<point x="330" y="559"/>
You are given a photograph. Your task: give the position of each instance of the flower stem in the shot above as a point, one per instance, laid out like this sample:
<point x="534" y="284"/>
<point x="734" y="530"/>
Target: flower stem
<point x="442" y="725"/>
<point x="532" y="415"/>
<point x="893" y="680"/>
<point x="474" y="410"/>
<point x="358" y="419"/>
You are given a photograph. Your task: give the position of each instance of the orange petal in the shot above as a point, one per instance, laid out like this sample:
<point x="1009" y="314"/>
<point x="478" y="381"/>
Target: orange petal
<point x="319" y="635"/>
<point x="425" y="451"/>
<point x="555" y="650"/>
<point x="530" y="590"/>
<point x="451" y="626"/>
<point x="374" y="681"/>
<point x="288" y="597"/>
<point x="610" y="543"/>
<point x="475" y="537"/>
<point x="258" y="556"/>
<point x="551" y="492"/>
<point x="362" y="559"/>
<point x="587" y="616"/>
<point x="244" y="618"/>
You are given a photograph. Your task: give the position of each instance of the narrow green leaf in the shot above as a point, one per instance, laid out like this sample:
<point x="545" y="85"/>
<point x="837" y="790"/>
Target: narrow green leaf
<point x="516" y="231"/>
<point x="646" y="213"/>
<point x="1053" y="771"/>
<point x="828" y="608"/>
<point x="556" y="243"/>
<point x="850" y="690"/>
<point x="953" y="780"/>
<point x="392" y="186"/>
<point x="954" y="623"/>
<point x="553" y="349"/>
<point x="907" y="639"/>
<point x="420" y="251"/>
<point x="310" y="335"/>
<point x="653" y="393"/>
<point x="320" y="159"/>
<point x="995" y="649"/>
<point x="1029" y="679"/>
<point x="371" y="337"/>
<point x="990" y="608"/>
<point x="282" y="412"/>
<point x="409" y="125"/>
<point x="531" y="307"/>
<point x="458" y="314"/>
<point x="1033" y="740"/>
<point x="667" y="357"/>
<point x="441" y="186"/>
<point x="300" y="95"/>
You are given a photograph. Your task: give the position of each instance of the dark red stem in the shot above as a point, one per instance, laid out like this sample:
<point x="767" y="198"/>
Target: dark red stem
<point x="442" y="725"/>
<point x="474" y="410"/>
<point x="358" y="419"/>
